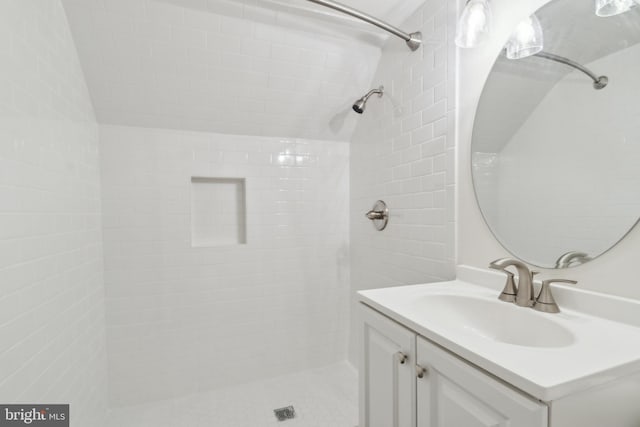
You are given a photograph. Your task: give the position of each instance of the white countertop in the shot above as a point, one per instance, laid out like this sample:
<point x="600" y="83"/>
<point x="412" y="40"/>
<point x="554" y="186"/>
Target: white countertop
<point x="602" y="350"/>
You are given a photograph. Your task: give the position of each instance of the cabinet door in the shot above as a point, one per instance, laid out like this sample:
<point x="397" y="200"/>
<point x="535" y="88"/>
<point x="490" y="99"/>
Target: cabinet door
<point x="387" y="380"/>
<point x="453" y="393"/>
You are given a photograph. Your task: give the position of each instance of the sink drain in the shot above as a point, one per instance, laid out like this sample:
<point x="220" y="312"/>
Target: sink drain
<point x="283" y="414"/>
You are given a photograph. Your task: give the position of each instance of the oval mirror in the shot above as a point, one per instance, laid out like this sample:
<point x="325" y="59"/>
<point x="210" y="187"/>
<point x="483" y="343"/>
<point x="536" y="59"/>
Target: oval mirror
<point x="555" y="153"/>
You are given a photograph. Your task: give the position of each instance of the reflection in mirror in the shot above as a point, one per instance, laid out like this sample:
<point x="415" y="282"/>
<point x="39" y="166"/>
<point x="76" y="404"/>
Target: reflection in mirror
<point x="555" y="163"/>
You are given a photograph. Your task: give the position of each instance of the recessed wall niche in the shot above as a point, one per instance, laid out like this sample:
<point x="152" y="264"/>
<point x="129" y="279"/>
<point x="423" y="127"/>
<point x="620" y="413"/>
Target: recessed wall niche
<point x="218" y="211"/>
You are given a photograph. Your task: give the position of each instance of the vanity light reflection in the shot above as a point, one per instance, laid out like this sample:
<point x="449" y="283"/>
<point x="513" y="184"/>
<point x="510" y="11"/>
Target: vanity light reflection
<point x="526" y="40"/>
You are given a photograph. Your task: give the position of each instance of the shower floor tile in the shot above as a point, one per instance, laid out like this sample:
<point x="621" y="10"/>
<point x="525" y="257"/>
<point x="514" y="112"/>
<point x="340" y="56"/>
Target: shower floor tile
<point x="323" y="397"/>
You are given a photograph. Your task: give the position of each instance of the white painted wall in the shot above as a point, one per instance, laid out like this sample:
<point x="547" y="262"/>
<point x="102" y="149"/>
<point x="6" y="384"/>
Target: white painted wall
<point x="403" y="152"/>
<point x="613" y="272"/>
<point x="52" y="326"/>
<point x="182" y="319"/>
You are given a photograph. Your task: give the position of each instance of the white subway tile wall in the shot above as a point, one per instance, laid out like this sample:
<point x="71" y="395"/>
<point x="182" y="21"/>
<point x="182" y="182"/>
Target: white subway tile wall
<point x="182" y="319"/>
<point x="52" y="321"/>
<point x="234" y="67"/>
<point x="403" y="152"/>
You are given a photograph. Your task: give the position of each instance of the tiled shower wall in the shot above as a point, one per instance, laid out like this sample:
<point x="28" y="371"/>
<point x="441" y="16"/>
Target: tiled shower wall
<point x="403" y="153"/>
<point x="52" y="339"/>
<point x="181" y="319"/>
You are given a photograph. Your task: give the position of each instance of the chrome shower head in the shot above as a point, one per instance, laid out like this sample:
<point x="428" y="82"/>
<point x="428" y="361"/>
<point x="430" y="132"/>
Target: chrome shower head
<point x="361" y="103"/>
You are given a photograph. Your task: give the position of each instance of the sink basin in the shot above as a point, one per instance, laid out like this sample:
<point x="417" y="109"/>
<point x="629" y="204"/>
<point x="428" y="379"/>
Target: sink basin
<point x="494" y="319"/>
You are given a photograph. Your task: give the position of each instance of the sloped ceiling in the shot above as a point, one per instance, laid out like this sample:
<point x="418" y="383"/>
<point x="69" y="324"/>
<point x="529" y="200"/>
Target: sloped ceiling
<point x="286" y="68"/>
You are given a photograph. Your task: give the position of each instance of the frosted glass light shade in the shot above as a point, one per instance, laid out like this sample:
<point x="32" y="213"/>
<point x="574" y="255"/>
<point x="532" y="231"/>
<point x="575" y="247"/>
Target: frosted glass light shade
<point x="526" y="40"/>
<point x="606" y="8"/>
<point x="474" y="24"/>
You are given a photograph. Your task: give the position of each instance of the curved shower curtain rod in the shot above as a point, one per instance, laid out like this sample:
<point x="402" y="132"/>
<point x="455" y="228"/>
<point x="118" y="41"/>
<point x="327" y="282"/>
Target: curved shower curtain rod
<point x="599" y="82"/>
<point x="414" y="40"/>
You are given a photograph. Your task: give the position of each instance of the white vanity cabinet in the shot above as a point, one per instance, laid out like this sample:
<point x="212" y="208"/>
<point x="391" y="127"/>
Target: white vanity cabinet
<point x="488" y="363"/>
<point x="407" y="381"/>
<point x="387" y="372"/>
<point x="453" y="393"/>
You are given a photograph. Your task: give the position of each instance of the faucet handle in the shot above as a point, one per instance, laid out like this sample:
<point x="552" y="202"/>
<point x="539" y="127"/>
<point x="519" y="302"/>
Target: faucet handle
<point x="510" y="290"/>
<point x="545" y="301"/>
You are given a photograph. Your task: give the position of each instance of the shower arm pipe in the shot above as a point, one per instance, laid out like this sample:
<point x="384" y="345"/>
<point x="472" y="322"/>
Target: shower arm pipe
<point x="413" y="40"/>
<point x="599" y="82"/>
<point x="378" y="91"/>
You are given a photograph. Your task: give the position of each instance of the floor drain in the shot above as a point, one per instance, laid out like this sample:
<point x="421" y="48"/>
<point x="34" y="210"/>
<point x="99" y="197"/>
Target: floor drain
<point x="284" y="414"/>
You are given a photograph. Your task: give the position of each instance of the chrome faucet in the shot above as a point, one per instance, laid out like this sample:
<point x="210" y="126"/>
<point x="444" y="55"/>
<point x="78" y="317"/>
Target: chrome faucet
<point x="524" y="292"/>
